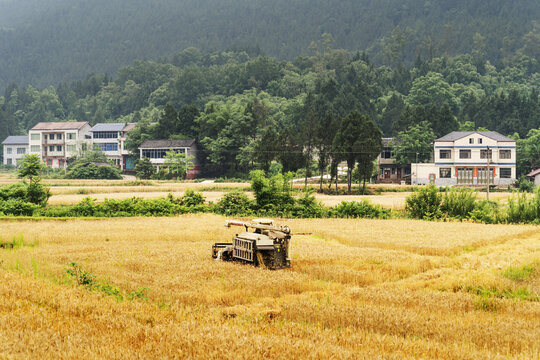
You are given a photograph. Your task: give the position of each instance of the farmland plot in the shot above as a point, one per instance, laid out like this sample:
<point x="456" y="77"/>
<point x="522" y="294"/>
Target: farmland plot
<point x="357" y="289"/>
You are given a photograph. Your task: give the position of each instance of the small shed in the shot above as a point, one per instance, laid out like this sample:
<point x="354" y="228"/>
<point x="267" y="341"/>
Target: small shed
<point x="535" y="176"/>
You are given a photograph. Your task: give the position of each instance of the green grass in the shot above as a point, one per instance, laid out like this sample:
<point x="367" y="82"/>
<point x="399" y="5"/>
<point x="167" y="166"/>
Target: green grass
<point x="520" y="273"/>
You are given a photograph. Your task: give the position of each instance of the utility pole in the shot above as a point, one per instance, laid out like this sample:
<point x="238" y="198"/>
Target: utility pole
<point x="488" y="173"/>
<point x="416" y="169"/>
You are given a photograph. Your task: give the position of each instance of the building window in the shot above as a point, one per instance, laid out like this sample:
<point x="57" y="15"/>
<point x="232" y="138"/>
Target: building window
<point x="70" y="148"/>
<point x="505" y="154"/>
<point x="34" y="148"/>
<point x="51" y="136"/>
<point x="445" y="173"/>
<point x="106" y="146"/>
<point x="51" y="148"/>
<point x="479" y="141"/>
<point x="484" y="154"/>
<point x="71" y="136"/>
<point x="9" y="151"/>
<point x="59" y="148"/>
<point x="506" y="173"/>
<point x="386" y="153"/>
<point x="445" y="154"/>
<point x="9" y="162"/>
<point x="59" y="136"/>
<point x="464" y="154"/>
<point x="471" y="141"/>
<point x="21" y="151"/>
<point x="105" y="134"/>
<point x="393" y="171"/>
<point x="154" y="153"/>
<point x="35" y="136"/>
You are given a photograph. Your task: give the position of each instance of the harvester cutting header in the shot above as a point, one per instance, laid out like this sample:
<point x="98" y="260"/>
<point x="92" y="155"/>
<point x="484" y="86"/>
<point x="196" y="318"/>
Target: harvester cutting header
<point x="267" y="245"/>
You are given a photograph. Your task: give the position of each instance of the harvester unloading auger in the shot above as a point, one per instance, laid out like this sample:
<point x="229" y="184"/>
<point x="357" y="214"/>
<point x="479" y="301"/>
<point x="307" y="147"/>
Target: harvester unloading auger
<point x="267" y="246"/>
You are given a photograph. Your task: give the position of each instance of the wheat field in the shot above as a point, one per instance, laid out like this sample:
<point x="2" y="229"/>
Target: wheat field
<point x="357" y="289"/>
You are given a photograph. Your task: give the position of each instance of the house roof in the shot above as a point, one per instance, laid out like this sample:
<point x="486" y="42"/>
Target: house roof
<point x="16" y="140"/>
<point x="108" y="127"/>
<point x="166" y="144"/>
<point x="64" y="125"/>
<point x="534" y="173"/>
<point x="129" y="127"/>
<point x="456" y="135"/>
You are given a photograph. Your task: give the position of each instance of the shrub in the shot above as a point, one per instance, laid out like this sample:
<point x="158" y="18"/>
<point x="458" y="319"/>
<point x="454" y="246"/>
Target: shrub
<point x="14" y="191"/>
<point x="486" y="212"/>
<point x="521" y="209"/>
<point x="192" y="198"/>
<point x="272" y="195"/>
<point x="307" y="207"/>
<point x="524" y="185"/>
<point x="33" y="193"/>
<point x="88" y="170"/>
<point x="424" y="203"/>
<point x="360" y="209"/>
<point x="459" y="202"/>
<point x="235" y="203"/>
<point x="17" y="207"/>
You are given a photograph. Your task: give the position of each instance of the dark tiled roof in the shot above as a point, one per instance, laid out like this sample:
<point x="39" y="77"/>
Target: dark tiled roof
<point x="456" y="135"/>
<point x="108" y="127"/>
<point x="534" y="172"/>
<point x="16" y="140"/>
<point x="129" y="127"/>
<point x="64" y="125"/>
<point x="166" y="144"/>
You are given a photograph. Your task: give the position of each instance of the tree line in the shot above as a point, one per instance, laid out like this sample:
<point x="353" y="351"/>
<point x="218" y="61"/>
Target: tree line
<point x="254" y="111"/>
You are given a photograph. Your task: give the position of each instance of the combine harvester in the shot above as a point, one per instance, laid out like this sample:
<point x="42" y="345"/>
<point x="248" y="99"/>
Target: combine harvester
<point x="267" y="246"/>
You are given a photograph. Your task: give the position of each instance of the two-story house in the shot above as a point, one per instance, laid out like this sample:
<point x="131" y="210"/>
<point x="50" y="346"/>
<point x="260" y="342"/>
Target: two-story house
<point x="469" y="158"/>
<point x="111" y="139"/>
<point x="15" y="148"/>
<point x="389" y="170"/>
<point x="155" y="150"/>
<point x="55" y="142"/>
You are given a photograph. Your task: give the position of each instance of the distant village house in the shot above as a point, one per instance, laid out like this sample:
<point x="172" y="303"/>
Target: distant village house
<point x="15" y="148"/>
<point x="155" y="150"/>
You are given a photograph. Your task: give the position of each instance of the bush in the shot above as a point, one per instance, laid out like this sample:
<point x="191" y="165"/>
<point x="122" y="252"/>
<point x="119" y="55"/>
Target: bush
<point x="307" y="207"/>
<point x="524" y="185"/>
<point x="361" y="209"/>
<point x="17" y="207"/>
<point x="235" y="203"/>
<point x="34" y="193"/>
<point x="272" y="195"/>
<point x="88" y="170"/>
<point x="424" y="203"/>
<point x="521" y="209"/>
<point x="459" y="202"/>
<point x="192" y="198"/>
<point x="486" y="212"/>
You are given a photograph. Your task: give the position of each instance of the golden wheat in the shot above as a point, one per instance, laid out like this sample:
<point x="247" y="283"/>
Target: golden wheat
<point x="357" y="289"/>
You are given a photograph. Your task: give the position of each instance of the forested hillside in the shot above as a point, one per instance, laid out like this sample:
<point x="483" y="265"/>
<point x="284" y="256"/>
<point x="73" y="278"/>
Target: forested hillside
<point x="47" y="42"/>
<point x="247" y="111"/>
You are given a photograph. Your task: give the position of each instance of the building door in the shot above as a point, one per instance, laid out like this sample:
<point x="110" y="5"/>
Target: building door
<point x="483" y="176"/>
<point x="464" y="176"/>
<point x="399" y="173"/>
<point x="387" y="172"/>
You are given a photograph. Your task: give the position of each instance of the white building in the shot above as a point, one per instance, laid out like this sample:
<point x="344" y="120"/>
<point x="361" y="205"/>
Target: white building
<point x="463" y="158"/>
<point x="55" y="142"/>
<point x="111" y="138"/>
<point x="155" y="150"/>
<point x="15" y="148"/>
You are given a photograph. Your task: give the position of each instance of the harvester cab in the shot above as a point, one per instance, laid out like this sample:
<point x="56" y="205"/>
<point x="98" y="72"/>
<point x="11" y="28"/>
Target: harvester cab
<point x="267" y="245"/>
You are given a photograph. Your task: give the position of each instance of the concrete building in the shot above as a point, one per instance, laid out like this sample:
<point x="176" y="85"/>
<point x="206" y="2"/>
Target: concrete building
<point x="155" y="150"/>
<point x="389" y="170"/>
<point x="463" y="158"/>
<point x="55" y="142"/>
<point x="15" y="148"/>
<point x="111" y="138"/>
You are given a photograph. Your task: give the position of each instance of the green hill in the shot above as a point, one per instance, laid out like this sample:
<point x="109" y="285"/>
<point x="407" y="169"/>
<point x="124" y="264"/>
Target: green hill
<point x="48" y="42"/>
